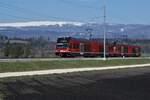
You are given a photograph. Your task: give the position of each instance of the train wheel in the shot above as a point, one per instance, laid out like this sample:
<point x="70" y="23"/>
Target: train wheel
<point x="61" y="55"/>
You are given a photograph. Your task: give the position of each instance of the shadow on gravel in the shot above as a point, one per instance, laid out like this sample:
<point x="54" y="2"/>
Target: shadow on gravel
<point x="77" y="88"/>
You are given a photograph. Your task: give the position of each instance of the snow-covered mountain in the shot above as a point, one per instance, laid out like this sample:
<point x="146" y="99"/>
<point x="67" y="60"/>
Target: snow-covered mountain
<point x="40" y="23"/>
<point x="55" y="29"/>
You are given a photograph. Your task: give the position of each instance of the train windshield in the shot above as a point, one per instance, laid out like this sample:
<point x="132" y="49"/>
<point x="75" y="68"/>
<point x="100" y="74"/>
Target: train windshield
<point x="62" y="45"/>
<point x="63" y="40"/>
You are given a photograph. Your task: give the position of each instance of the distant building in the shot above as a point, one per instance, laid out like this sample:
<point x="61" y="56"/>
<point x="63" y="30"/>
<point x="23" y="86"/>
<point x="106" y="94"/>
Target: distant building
<point x="17" y="41"/>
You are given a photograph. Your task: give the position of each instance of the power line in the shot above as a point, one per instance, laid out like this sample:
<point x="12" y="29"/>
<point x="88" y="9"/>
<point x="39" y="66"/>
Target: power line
<point x="13" y="16"/>
<point x="23" y="10"/>
<point x="125" y="19"/>
<point x="79" y="5"/>
<point x="8" y="12"/>
<point x="29" y="12"/>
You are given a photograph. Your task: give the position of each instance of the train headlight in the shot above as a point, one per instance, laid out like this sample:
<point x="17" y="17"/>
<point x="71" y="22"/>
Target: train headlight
<point x="62" y="50"/>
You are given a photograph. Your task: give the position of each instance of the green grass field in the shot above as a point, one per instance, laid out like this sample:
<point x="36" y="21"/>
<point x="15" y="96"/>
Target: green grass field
<point x="43" y="65"/>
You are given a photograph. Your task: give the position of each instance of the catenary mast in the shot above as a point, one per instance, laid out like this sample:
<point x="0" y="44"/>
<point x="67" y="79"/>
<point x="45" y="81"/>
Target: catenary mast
<point x="104" y="26"/>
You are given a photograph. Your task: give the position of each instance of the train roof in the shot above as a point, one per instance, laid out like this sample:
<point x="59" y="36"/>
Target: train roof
<point x="79" y="39"/>
<point x="98" y="41"/>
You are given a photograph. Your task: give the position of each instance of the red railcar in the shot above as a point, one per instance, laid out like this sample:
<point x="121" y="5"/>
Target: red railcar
<point x="68" y="46"/>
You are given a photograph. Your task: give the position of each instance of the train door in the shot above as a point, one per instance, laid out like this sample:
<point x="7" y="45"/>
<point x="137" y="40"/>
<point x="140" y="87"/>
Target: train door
<point x="126" y="51"/>
<point x="122" y="51"/>
<point x="81" y="48"/>
<point x="136" y="51"/>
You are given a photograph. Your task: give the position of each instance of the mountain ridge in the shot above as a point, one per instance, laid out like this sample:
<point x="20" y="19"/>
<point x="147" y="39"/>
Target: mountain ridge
<point x="39" y="23"/>
<point x="55" y="29"/>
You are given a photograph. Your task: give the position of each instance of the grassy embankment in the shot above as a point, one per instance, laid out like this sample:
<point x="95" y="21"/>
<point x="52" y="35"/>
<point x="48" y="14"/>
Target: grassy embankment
<point x="43" y="65"/>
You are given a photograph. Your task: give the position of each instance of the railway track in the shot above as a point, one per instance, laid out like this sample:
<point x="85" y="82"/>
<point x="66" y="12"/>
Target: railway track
<point x="63" y="59"/>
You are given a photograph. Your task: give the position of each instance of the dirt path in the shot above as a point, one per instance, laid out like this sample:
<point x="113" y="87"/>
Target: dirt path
<point x="61" y="71"/>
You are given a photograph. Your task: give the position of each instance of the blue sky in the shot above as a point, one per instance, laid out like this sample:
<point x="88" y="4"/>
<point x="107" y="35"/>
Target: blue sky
<point x="118" y="11"/>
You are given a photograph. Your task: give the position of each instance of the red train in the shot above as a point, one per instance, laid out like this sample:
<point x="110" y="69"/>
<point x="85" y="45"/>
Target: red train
<point x="68" y="46"/>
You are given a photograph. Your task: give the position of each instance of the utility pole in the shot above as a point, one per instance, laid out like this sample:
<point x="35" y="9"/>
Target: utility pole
<point x="89" y="30"/>
<point x="104" y="26"/>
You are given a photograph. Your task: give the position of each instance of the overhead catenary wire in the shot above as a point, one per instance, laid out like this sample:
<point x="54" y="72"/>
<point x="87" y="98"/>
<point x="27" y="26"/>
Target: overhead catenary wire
<point x="13" y="16"/>
<point x="9" y="7"/>
<point x="78" y="4"/>
<point x="28" y="12"/>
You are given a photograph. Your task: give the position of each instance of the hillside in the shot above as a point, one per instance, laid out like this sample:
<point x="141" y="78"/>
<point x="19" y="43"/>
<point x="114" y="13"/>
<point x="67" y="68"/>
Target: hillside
<point x="75" y="29"/>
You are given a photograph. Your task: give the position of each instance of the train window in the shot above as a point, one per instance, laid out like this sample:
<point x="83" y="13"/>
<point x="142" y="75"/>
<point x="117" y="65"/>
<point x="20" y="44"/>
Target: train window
<point x="63" y="40"/>
<point x="122" y="49"/>
<point x="119" y="49"/>
<point x="125" y="49"/>
<point x="86" y="48"/>
<point x="70" y="46"/>
<point x="75" y="46"/>
<point x="62" y="45"/>
<point x="136" y="50"/>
